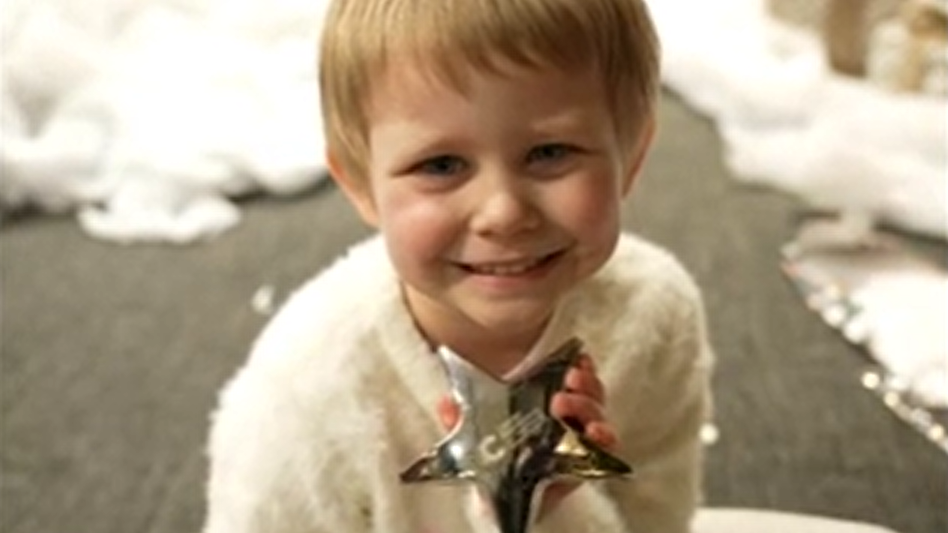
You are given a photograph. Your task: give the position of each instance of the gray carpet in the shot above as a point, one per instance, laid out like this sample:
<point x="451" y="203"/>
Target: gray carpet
<point x="112" y="356"/>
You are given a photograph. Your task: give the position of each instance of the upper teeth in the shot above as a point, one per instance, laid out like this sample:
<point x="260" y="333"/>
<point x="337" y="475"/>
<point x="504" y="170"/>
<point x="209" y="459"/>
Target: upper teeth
<point x="506" y="269"/>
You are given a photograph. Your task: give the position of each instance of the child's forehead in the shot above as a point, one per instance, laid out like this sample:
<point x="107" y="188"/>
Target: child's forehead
<point x="490" y="104"/>
<point x="413" y="78"/>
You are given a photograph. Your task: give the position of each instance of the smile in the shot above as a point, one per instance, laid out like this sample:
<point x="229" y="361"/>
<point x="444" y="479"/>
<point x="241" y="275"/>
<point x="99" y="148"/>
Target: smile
<point x="510" y="268"/>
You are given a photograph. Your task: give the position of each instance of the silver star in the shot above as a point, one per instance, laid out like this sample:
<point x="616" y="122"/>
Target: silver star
<point x="507" y="442"/>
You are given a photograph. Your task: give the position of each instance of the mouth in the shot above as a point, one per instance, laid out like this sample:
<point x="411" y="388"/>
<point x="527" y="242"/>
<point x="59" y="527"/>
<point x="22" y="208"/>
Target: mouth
<point x="514" y="268"/>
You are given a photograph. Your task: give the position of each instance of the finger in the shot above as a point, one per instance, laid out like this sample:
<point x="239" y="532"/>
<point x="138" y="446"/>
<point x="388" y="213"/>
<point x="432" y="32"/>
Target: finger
<point x="586" y="362"/>
<point x="448" y="412"/>
<point x="579" y="407"/>
<point x="584" y="381"/>
<point x="602" y="434"/>
<point x="555" y="493"/>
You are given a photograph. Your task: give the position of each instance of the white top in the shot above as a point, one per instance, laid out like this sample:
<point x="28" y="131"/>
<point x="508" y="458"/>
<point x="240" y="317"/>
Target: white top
<point x="340" y="394"/>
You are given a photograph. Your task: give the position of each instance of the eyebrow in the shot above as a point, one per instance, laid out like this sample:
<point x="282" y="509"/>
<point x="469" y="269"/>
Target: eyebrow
<point x="417" y="140"/>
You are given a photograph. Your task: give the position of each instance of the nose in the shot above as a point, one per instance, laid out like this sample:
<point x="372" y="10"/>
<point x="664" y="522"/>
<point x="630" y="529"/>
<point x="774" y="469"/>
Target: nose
<point x="506" y="205"/>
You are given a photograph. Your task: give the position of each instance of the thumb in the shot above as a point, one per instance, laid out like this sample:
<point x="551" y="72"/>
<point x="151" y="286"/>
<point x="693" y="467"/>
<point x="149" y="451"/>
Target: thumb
<point x="448" y="412"/>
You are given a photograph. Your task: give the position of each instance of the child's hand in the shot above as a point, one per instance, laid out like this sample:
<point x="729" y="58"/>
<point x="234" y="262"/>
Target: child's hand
<point x="581" y="403"/>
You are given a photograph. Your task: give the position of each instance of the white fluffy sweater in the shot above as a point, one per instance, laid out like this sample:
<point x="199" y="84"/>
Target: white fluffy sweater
<point x="340" y="391"/>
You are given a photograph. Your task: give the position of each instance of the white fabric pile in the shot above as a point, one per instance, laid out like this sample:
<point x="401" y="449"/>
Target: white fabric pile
<point x="788" y="122"/>
<point x="148" y="116"/>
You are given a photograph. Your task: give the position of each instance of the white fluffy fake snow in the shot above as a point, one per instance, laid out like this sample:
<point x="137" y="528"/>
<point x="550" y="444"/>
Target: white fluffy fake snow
<point x="907" y="315"/>
<point x="148" y="116"/>
<point x="837" y="143"/>
<point x="788" y="122"/>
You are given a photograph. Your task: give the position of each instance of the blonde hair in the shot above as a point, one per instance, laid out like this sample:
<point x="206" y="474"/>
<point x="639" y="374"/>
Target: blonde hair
<point x="450" y="36"/>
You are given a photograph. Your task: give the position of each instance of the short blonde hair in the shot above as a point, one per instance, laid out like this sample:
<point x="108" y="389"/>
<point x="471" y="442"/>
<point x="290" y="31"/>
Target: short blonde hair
<point x="450" y="36"/>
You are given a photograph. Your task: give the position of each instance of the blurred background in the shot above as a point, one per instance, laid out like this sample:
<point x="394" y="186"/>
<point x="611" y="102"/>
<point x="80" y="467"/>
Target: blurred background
<point x="163" y="190"/>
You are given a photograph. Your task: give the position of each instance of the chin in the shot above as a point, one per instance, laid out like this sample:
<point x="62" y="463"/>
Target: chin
<point x="510" y="317"/>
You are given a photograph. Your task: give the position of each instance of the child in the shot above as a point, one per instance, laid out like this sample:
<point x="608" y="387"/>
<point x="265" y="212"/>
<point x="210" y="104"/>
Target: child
<point x="492" y="143"/>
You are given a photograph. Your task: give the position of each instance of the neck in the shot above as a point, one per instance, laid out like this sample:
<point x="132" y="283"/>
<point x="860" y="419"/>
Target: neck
<point x="496" y="350"/>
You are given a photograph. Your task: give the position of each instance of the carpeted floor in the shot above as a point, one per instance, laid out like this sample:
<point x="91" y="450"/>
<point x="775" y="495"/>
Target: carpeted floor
<point x="112" y="356"/>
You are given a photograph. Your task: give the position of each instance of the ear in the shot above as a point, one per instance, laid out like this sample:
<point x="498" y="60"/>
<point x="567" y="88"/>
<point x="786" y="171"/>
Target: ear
<point x="639" y="153"/>
<point x="359" y="192"/>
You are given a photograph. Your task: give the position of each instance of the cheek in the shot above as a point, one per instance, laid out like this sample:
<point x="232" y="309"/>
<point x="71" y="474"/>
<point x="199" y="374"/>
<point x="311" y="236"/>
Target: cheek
<point x="600" y="235"/>
<point x="416" y="228"/>
<point x="591" y="212"/>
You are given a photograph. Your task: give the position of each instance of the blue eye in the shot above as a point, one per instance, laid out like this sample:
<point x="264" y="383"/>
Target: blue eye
<point x="445" y="165"/>
<point x="548" y="152"/>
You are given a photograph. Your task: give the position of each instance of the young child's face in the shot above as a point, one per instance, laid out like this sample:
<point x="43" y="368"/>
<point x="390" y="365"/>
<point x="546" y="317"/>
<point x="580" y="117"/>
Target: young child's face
<point x="495" y="202"/>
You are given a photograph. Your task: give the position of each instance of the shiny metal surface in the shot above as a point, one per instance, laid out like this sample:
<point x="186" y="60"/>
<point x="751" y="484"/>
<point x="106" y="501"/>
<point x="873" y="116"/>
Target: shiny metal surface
<point x="506" y="441"/>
